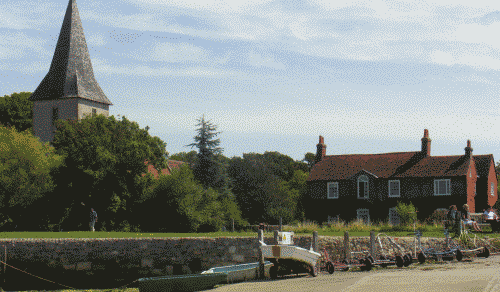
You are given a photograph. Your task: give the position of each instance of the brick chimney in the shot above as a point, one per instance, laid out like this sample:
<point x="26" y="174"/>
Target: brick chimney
<point x="426" y="144"/>
<point x="468" y="150"/>
<point x="320" y="150"/>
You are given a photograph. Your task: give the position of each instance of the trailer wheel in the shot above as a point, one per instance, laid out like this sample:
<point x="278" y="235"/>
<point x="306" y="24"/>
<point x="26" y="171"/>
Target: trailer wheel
<point x="368" y="264"/>
<point x="273" y="272"/>
<point x="406" y="261"/>
<point x="460" y="255"/>
<point x="330" y="268"/>
<point x="345" y="263"/>
<point x="399" y="261"/>
<point x="421" y="258"/>
<point x="314" y="270"/>
<point x="485" y="253"/>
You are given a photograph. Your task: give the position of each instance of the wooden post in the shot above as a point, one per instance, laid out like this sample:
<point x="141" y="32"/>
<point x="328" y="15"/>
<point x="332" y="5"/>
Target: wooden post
<point x="4" y="262"/>
<point x="281" y="224"/>
<point x="232" y="219"/>
<point x="275" y="236"/>
<point x="347" y="248"/>
<point x="261" y="256"/>
<point x="372" y="245"/>
<point x="315" y="241"/>
<point x="447" y="239"/>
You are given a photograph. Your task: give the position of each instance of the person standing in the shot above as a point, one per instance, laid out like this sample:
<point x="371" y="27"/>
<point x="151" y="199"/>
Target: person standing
<point x="93" y="219"/>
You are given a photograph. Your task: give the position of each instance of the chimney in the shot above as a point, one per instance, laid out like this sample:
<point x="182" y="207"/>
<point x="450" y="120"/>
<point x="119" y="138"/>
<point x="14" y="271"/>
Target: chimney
<point x="320" y="150"/>
<point x="426" y="144"/>
<point x="468" y="150"/>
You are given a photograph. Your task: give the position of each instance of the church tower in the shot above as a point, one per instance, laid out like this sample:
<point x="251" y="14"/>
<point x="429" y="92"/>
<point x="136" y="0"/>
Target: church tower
<point x="69" y="90"/>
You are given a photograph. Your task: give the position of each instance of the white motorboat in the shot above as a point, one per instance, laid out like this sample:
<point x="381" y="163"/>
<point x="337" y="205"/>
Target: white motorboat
<point x="291" y="259"/>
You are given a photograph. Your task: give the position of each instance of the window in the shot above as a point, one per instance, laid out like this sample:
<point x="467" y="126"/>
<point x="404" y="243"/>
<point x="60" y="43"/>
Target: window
<point x="363" y="187"/>
<point x="333" y="190"/>
<point x="334" y="219"/>
<point x="94" y="111"/>
<point x="393" y="216"/>
<point x="394" y="188"/>
<point x="363" y="214"/>
<point x="55" y="115"/>
<point x="470" y="173"/>
<point x="442" y="187"/>
<point x="492" y="189"/>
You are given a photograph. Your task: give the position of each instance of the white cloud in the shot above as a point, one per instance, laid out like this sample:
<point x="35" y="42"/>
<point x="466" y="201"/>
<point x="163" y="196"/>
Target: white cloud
<point x="258" y="60"/>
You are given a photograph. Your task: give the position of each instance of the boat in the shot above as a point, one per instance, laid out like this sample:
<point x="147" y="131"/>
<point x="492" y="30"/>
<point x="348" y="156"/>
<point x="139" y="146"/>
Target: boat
<point x="290" y="259"/>
<point x="190" y="282"/>
<point x="241" y="272"/>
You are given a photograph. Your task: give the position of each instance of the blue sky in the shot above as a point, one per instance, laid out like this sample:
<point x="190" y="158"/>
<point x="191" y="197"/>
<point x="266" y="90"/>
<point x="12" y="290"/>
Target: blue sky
<point x="369" y="76"/>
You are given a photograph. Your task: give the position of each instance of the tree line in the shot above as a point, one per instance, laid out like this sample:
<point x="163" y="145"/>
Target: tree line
<point x="99" y="162"/>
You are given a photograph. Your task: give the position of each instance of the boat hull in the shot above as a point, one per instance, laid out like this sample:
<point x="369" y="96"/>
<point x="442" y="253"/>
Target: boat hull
<point x="191" y="282"/>
<point x="242" y="272"/>
<point x="290" y="252"/>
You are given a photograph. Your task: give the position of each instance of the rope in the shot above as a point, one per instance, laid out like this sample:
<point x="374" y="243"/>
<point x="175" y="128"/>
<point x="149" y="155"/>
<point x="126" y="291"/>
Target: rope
<point x="37" y="276"/>
<point x="53" y="281"/>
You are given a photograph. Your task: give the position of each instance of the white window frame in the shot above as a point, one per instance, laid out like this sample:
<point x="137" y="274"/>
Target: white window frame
<point x="359" y="211"/>
<point x="390" y="217"/>
<point x="448" y="187"/>
<point x="492" y="189"/>
<point x="336" y="184"/>
<point x="364" y="179"/>
<point x="399" y="188"/>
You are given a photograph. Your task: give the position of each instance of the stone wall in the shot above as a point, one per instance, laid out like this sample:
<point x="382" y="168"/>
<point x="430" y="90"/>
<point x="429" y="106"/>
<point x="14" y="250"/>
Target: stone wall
<point x="165" y="256"/>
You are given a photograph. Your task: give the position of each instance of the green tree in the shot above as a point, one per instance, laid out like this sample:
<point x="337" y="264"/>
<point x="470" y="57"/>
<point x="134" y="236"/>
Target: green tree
<point x="17" y="111"/>
<point x="189" y="157"/>
<point x="189" y="207"/>
<point x="104" y="161"/>
<point x="209" y="169"/>
<point x="25" y="179"/>
<point x="258" y="180"/>
<point x="309" y="159"/>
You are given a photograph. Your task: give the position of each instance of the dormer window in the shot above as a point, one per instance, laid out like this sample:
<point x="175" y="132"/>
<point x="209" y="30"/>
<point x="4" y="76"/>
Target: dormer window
<point x="492" y="189"/>
<point x="363" y="191"/>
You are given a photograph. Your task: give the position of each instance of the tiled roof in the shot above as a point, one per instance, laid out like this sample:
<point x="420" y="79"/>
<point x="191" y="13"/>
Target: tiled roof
<point x="483" y="164"/>
<point x="388" y="165"/>
<point x="166" y="171"/>
<point x="70" y="74"/>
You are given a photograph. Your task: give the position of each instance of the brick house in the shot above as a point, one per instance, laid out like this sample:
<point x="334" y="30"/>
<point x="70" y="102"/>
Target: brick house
<point x="368" y="186"/>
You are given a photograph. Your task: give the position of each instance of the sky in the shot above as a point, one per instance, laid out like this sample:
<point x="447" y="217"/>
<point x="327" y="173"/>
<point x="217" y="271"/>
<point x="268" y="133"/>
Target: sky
<point x="368" y="76"/>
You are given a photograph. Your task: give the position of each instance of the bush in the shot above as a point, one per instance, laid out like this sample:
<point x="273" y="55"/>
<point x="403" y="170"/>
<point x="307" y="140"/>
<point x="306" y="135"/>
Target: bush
<point x="437" y="217"/>
<point x="407" y="213"/>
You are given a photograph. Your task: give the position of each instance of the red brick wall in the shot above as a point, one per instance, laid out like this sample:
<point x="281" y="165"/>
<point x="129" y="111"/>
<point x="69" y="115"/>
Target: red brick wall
<point x="492" y="179"/>
<point x="471" y="182"/>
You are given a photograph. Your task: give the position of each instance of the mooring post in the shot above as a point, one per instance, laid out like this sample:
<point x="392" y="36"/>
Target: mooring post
<point x="347" y="247"/>
<point x="372" y="245"/>
<point x="315" y="241"/>
<point x="275" y="236"/>
<point x="4" y="262"/>
<point x="281" y="224"/>
<point x="261" y="256"/>
<point x="447" y="238"/>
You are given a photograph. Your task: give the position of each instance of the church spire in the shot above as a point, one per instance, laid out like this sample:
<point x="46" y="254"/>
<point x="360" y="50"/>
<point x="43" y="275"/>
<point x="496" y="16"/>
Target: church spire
<point x="70" y="74"/>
